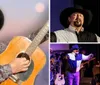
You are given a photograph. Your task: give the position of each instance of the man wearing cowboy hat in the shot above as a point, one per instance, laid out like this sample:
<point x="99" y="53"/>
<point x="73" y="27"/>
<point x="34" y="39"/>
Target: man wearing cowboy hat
<point x="73" y="67"/>
<point x="74" y="19"/>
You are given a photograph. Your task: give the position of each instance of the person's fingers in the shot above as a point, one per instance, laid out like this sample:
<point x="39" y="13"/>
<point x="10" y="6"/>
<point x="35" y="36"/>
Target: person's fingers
<point x="26" y="62"/>
<point x="24" y="59"/>
<point x="24" y="69"/>
<point x="27" y="65"/>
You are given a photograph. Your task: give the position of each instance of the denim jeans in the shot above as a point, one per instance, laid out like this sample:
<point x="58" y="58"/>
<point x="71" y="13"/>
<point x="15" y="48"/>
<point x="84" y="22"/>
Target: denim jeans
<point x="72" y="78"/>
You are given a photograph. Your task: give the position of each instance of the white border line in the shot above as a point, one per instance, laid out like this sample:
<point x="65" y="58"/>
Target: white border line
<point x="49" y="45"/>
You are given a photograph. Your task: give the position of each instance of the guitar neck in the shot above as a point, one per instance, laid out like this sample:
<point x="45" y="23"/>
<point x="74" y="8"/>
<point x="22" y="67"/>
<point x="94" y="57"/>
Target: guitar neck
<point x="87" y="62"/>
<point x="37" y="40"/>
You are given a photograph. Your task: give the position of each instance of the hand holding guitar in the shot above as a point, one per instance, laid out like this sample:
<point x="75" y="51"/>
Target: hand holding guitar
<point x="91" y="57"/>
<point x="17" y="48"/>
<point x="19" y="65"/>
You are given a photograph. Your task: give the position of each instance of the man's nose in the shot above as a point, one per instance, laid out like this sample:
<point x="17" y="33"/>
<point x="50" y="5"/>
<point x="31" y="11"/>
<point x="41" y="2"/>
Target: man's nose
<point x="77" y="16"/>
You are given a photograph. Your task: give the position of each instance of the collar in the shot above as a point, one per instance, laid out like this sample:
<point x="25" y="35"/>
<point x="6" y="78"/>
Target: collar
<point x="71" y="28"/>
<point x="73" y="53"/>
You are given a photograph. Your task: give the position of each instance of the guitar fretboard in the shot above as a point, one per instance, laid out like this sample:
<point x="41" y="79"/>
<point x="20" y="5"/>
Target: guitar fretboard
<point x="37" y="40"/>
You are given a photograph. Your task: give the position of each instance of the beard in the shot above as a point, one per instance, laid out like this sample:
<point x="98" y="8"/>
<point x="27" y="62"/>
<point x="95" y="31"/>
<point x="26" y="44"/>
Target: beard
<point x="77" y="52"/>
<point x="77" y="23"/>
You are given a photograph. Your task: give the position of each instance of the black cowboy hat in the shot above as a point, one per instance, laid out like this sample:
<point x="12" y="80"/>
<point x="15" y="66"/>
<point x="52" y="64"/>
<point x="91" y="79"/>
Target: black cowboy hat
<point x="68" y="11"/>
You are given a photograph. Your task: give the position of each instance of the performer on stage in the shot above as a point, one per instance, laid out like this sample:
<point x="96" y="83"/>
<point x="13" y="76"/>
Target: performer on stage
<point x="74" y="60"/>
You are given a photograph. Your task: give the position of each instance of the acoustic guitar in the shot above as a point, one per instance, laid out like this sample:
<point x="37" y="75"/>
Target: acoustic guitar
<point x="23" y="47"/>
<point x="59" y="78"/>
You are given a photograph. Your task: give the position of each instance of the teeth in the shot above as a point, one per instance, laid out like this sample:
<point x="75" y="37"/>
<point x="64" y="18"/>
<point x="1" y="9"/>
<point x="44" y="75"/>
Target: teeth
<point x="78" y="22"/>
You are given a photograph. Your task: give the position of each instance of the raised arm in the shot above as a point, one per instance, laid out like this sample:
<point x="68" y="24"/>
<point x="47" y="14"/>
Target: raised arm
<point x="87" y="57"/>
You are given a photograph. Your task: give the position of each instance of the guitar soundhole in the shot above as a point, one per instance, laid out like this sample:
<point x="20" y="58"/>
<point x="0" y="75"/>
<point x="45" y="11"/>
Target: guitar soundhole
<point x="61" y="78"/>
<point x="22" y="55"/>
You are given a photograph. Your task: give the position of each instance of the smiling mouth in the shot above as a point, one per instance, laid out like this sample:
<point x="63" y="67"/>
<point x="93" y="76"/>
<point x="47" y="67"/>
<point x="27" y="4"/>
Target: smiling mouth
<point x="77" y="23"/>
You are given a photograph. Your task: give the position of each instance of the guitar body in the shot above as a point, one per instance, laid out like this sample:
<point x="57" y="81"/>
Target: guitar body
<point x="59" y="79"/>
<point x="16" y="46"/>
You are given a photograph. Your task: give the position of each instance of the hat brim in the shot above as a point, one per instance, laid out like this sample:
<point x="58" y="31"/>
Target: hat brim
<point x="75" y="49"/>
<point x="68" y="11"/>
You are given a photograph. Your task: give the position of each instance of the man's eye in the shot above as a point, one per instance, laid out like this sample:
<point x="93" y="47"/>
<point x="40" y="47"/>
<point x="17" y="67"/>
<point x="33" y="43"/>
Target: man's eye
<point x="74" y="15"/>
<point x="81" y="15"/>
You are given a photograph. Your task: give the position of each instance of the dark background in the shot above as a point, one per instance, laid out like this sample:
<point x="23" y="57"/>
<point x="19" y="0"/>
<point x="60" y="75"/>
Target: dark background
<point x="58" y="6"/>
<point x="92" y="5"/>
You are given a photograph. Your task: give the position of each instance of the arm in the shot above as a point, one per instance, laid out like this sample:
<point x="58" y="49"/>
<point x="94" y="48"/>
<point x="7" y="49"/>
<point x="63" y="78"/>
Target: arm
<point x="5" y="72"/>
<point x="17" y="65"/>
<point x="87" y="57"/>
<point x="53" y="37"/>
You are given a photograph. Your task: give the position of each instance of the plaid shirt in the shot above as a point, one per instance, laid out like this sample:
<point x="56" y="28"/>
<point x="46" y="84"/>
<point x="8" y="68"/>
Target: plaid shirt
<point x="5" y="72"/>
